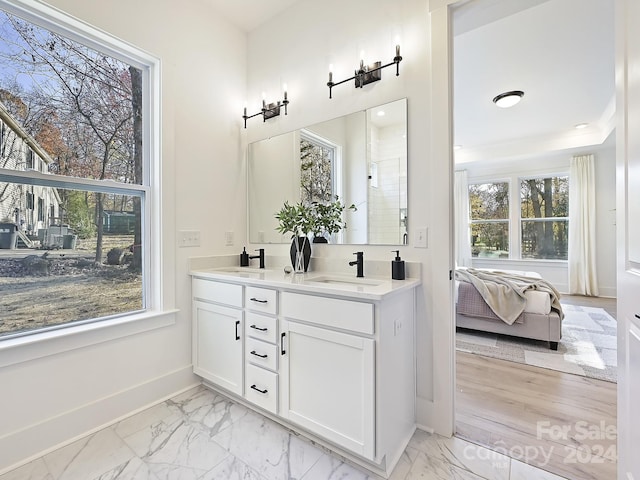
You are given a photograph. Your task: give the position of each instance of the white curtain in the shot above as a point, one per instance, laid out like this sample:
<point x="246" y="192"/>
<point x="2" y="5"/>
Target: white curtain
<point x="461" y="206"/>
<point x="583" y="278"/>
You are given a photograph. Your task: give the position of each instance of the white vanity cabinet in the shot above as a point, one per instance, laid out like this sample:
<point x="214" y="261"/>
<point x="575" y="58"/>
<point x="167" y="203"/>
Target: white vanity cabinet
<point x="328" y="376"/>
<point x="217" y="333"/>
<point x="261" y="351"/>
<point x="335" y="365"/>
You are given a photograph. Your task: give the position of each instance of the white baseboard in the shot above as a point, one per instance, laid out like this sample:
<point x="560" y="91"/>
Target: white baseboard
<point x="36" y="440"/>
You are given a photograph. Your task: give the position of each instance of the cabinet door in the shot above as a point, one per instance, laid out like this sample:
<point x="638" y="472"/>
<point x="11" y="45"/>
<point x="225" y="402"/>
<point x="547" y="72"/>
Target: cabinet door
<point x="328" y="385"/>
<point x="217" y="345"/>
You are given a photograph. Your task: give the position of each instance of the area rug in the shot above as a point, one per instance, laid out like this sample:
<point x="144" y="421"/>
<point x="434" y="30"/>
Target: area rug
<point x="588" y="345"/>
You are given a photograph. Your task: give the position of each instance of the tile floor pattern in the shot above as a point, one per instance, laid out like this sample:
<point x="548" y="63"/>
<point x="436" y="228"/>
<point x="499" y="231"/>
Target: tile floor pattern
<point x="202" y="435"/>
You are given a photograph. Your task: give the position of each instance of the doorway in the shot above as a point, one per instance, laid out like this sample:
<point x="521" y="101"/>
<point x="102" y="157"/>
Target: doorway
<point x="509" y="406"/>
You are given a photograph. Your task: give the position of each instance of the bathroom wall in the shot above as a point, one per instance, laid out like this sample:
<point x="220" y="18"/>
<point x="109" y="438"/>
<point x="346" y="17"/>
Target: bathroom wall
<point x="296" y="48"/>
<point x="74" y="384"/>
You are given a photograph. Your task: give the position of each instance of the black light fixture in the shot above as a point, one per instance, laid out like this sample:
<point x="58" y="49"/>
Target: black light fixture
<point x="366" y="74"/>
<point x="508" y="99"/>
<point x="269" y="110"/>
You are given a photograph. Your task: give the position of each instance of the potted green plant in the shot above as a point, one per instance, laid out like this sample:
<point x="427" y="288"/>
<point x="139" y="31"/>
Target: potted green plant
<point x="327" y="219"/>
<point x="297" y="219"/>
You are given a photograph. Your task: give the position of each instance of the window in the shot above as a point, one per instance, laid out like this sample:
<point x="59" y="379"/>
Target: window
<point x="96" y="155"/>
<point x="318" y="170"/>
<point x="544" y="212"/>
<point x="489" y="210"/>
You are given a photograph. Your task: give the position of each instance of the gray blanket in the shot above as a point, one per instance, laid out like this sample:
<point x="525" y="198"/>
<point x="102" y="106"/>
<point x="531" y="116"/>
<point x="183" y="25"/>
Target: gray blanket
<point x="504" y="292"/>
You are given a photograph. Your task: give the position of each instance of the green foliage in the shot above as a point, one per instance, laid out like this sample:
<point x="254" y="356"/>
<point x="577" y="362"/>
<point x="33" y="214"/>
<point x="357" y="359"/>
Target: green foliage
<point x="318" y="218"/>
<point x="80" y="213"/>
<point x="294" y="219"/>
<point x="327" y="217"/>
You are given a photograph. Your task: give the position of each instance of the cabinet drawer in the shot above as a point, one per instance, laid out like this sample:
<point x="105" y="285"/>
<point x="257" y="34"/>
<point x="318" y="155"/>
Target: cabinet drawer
<point x="260" y="300"/>
<point x="261" y="353"/>
<point x="262" y="388"/>
<point x="261" y="327"/>
<point x="329" y="312"/>
<point x="219" y="292"/>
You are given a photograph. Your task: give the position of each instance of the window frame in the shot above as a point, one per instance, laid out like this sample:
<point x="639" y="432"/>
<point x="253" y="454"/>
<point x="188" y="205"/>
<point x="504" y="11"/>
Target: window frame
<point x="155" y="314"/>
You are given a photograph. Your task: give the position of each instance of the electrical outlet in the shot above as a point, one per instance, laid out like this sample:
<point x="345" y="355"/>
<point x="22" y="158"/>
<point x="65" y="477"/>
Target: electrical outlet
<point x="228" y="238"/>
<point x="421" y="237"/>
<point x="189" y="238"/>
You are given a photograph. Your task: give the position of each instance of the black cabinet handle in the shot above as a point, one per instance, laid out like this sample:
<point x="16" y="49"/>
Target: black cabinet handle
<point x="237" y="325"/>
<point x="637" y="316"/>
<point x="259" y="328"/>
<point x="254" y="299"/>
<point x="258" y="390"/>
<point x="253" y="352"/>
<point x="282" y="350"/>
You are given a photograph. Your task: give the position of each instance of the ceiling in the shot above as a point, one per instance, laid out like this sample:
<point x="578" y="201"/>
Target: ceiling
<point x="559" y="52"/>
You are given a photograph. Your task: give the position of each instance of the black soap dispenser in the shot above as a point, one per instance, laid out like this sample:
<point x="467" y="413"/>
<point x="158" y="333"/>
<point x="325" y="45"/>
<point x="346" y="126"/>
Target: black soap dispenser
<point x="397" y="267"/>
<point x="244" y="258"/>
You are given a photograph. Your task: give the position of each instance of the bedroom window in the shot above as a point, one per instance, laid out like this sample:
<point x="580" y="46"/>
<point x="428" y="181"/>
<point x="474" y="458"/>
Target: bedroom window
<point x="489" y="210"/>
<point x="91" y="125"/>
<point x="544" y="217"/>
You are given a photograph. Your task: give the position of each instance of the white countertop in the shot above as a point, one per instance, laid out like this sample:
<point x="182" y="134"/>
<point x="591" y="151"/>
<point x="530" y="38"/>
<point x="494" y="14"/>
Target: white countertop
<point x="318" y="282"/>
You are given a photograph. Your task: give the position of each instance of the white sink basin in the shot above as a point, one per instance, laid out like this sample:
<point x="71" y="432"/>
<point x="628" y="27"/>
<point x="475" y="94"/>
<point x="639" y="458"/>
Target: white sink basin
<point x="344" y="281"/>
<point x="242" y="271"/>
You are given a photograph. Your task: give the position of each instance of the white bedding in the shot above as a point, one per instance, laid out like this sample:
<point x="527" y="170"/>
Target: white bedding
<point x="537" y="301"/>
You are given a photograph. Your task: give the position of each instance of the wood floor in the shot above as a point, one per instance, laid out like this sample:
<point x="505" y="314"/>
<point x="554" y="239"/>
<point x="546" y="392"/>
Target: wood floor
<point x="560" y="422"/>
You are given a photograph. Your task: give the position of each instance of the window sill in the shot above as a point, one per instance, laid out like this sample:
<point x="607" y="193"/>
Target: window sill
<point x="39" y="345"/>
<point x="520" y="261"/>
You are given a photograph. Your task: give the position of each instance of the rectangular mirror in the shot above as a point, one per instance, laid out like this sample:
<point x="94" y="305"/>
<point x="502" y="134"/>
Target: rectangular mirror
<point x="361" y="158"/>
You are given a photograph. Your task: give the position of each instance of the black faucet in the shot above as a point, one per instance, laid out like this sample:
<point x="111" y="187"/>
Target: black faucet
<point x="260" y="256"/>
<point x="360" y="264"/>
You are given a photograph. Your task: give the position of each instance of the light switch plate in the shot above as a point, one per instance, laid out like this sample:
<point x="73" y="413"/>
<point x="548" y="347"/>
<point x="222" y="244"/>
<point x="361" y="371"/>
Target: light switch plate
<point x="420" y="239"/>
<point x="228" y="238"/>
<point x="189" y="238"/>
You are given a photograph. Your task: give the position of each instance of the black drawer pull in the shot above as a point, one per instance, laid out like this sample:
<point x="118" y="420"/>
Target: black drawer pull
<point x="237" y="325"/>
<point x="253" y="352"/>
<point x="282" y="350"/>
<point x="264" y="392"/>
<point x="259" y="328"/>
<point x="254" y="299"/>
<point x="637" y="316"/>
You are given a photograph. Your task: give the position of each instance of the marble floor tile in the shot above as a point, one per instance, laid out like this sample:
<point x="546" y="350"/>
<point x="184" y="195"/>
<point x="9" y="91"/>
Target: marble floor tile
<point x="35" y="470"/>
<point x="523" y="471"/>
<point x="465" y="456"/>
<point x="331" y="468"/>
<point x="89" y="457"/>
<point x="200" y="435"/>
<point x="426" y="467"/>
<point x="267" y="447"/>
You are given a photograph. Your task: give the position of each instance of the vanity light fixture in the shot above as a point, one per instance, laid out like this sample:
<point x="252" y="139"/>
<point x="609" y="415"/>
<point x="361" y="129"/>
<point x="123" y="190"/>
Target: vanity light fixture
<point x="366" y="74"/>
<point x="508" y="99"/>
<point x="269" y="110"/>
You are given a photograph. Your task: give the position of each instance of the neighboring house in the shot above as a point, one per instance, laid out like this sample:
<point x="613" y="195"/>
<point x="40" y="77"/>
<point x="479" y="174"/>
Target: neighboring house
<point x="31" y="207"/>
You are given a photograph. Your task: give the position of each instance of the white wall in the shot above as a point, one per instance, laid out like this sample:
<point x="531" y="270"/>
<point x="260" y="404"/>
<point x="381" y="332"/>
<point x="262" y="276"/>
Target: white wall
<point x="558" y="163"/>
<point x="296" y="48"/>
<point x="57" y="396"/>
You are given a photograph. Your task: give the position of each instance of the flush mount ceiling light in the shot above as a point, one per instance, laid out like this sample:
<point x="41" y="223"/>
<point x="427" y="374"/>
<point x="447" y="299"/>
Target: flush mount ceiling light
<point x="580" y="126"/>
<point x="508" y="99"/>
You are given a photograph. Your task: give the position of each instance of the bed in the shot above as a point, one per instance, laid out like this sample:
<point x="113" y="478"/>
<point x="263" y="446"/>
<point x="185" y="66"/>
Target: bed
<point x="523" y="304"/>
